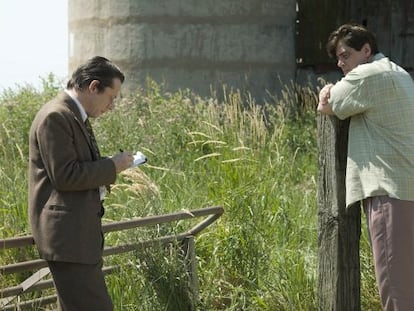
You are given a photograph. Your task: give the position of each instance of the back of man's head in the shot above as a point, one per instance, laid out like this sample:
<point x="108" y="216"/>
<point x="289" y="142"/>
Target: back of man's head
<point x="352" y="35"/>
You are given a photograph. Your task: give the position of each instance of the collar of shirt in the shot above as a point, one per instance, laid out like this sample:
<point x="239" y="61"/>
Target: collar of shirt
<point x="378" y="56"/>
<point x="78" y="104"/>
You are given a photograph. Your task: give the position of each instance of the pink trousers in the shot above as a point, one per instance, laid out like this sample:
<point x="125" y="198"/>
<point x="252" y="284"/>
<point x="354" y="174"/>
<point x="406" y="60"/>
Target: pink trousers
<point x="391" y="230"/>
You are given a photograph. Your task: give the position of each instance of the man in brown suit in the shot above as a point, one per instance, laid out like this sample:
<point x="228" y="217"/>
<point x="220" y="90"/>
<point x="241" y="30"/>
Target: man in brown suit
<point x="67" y="179"/>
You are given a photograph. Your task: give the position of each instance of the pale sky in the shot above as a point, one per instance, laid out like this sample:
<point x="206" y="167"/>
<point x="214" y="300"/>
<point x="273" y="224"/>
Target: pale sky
<point x="34" y="41"/>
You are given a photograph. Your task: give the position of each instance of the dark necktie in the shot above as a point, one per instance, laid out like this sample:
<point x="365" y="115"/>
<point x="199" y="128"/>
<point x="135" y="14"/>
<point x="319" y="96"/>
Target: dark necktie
<point x="94" y="146"/>
<point x="88" y="126"/>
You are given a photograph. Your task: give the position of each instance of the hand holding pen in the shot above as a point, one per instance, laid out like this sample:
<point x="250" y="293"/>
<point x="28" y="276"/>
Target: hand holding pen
<point x="122" y="160"/>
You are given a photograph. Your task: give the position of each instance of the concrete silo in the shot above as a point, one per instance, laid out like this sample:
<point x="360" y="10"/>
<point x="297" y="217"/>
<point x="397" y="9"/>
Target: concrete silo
<point x="196" y="44"/>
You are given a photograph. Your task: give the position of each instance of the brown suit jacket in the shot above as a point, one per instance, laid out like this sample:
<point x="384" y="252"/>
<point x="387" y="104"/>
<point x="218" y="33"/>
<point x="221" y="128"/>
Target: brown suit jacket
<point x="64" y="179"/>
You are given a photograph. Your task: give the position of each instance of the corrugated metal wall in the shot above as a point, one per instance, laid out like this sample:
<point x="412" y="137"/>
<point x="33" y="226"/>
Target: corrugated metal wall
<point x="391" y="20"/>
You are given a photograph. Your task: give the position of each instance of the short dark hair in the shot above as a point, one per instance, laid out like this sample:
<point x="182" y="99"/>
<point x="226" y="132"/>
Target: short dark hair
<point x="354" y="36"/>
<point x="97" y="68"/>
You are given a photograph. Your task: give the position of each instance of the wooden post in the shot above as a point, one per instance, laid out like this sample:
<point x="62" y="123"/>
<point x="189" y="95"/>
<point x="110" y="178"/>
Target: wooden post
<point x="339" y="228"/>
<point x="190" y="262"/>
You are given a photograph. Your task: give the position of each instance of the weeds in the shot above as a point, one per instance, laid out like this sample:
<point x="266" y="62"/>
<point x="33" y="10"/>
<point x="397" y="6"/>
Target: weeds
<point x="257" y="161"/>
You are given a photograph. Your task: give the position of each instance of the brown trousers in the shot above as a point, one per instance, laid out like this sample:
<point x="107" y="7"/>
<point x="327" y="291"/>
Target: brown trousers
<point x="80" y="287"/>
<point x="391" y="230"/>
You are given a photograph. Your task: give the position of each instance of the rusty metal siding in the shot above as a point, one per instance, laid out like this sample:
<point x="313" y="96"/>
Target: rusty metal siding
<point x="315" y="20"/>
<point x="391" y="21"/>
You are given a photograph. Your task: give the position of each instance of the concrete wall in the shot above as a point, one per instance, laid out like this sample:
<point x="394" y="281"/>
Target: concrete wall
<point x="245" y="44"/>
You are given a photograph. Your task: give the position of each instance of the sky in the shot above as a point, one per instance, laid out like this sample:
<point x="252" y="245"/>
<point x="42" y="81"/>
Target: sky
<point x="34" y="41"/>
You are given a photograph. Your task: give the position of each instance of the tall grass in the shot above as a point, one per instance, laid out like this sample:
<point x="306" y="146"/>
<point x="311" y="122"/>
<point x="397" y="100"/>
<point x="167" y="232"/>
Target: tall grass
<point x="257" y="161"/>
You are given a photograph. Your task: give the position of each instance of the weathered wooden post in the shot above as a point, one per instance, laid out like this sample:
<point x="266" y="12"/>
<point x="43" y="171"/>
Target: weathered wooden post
<point x="190" y="261"/>
<point x="339" y="228"/>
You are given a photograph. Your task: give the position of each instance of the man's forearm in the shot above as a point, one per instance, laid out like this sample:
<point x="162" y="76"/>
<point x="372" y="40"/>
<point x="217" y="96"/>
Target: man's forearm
<point x="323" y="106"/>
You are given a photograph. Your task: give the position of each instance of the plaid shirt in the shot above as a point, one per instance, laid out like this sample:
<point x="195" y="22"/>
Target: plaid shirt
<point x="379" y="98"/>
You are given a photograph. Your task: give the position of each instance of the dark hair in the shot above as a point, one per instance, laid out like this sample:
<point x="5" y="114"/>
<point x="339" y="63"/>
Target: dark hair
<point x="354" y="36"/>
<point x="97" y="68"/>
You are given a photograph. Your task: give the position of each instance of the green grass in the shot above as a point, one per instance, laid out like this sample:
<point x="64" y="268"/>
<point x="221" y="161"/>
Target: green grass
<point x="257" y="161"/>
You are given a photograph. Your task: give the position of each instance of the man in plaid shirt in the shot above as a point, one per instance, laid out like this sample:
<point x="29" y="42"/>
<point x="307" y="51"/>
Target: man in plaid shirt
<point x="378" y="96"/>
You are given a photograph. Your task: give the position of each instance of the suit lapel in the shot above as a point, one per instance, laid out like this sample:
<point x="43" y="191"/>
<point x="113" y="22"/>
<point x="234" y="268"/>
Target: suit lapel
<point x="71" y="105"/>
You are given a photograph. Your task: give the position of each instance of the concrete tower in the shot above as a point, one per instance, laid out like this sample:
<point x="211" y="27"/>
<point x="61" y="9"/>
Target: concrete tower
<point x="195" y="44"/>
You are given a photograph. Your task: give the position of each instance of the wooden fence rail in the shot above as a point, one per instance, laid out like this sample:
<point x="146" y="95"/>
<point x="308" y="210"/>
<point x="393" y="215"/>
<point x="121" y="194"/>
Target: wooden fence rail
<point x="35" y="282"/>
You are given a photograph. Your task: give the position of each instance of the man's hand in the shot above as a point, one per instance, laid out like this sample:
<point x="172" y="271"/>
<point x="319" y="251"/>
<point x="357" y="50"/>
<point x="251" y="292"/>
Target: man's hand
<point x="323" y="106"/>
<point x="122" y="161"/>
